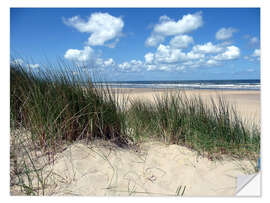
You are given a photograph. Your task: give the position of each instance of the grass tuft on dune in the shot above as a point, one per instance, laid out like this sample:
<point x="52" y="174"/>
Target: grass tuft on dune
<point x="213" y="129"/>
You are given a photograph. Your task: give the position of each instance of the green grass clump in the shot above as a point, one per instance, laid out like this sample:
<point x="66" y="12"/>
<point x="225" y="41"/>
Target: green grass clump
<point x="214" y="129"/>
<point x="57" y="108"/>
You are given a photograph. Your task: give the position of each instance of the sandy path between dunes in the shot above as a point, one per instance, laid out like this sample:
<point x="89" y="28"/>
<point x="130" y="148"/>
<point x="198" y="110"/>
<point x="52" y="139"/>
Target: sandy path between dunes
<point x="158" y="170"/>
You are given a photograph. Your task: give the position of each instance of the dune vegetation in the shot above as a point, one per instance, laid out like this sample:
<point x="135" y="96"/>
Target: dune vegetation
<point x="56" y="109"/>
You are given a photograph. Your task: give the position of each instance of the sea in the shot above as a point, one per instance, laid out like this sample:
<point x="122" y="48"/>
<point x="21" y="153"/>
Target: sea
<point x="190" y="84"/>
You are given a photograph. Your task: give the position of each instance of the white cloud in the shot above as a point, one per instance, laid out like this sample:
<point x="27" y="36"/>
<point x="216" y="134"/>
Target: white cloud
<point x="20" y="62"/>
<point x="188" y="23"/>
<point x="207" y="48"/>
<point x="113" y="44"/>
<point x="170" y="67"/>
<point x="169" y="58"/>
<point x="254" y="56"/>
<point x="193" y="55"/>
<point x="231" y="52"/>
<point x="75" y="73"/>
<point x="164" y="18"/>
<point x="149" y="57"/>
<point x="109" y="62"/>
<point x="166" y="54"/>
<point x="195" y="63"/>
<point x="212" y="62"/>
<point x="169" y="27"/>
<point x="102" y="26"/>
<point x="154" y="40"/>
<point x="124" y="66"/>
<point x="254" y="40"/>
<point x="180" y="68"/>
<point x="99" y="62"/>
<point x="17" y="62"/>
<point x="165" y="68"/>
<point x="132" y="66"/>
<point x="257" y="53"/>
<point x="151" y="67"/>
<point x="169" y="54"/>
<point x="250" y="70"/>
<point x="79" y="55"/>
<point x="225" y="33"/>
<point x="136" y="62"/>
<point x="34" y="65"/>
<point x="181" y="41"/>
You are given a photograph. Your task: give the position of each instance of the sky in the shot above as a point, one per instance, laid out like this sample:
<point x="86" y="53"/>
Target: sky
<point x="133" y="44"/>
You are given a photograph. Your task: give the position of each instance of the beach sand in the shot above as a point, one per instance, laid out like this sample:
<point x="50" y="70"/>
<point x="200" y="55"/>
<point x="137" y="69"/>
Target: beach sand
<point x="153" y="168"/>
<point x="156" y="169"/>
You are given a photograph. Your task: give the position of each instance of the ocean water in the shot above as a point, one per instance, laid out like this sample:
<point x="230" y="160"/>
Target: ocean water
<point x="191" y="84"/>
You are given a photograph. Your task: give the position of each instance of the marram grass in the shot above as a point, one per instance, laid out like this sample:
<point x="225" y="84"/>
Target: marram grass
<point x="57" y="109"/>
<point x="213" y="130"/>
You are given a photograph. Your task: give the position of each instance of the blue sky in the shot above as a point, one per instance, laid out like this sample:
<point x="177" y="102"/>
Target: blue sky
<point x="141" y="44"/>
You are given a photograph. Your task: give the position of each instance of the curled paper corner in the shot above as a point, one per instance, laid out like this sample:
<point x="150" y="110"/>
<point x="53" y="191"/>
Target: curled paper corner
<point x="249" y="185"/>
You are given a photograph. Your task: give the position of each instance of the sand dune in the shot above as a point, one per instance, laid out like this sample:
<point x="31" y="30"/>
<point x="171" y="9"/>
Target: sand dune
<point x="155" y="169"/>
<point x="152" y="169"/>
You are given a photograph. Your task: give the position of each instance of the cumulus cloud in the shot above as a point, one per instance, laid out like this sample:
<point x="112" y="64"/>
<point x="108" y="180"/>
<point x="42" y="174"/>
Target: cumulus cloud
<point x="149" y="57"/>
<point x="225" y="33"/>
<point x="254" y="56"/>
<point x="212" y="62"/>
<point x="79" y="55"/>
<point x="102" y="26"/>
<point x="169" y="58"/>
<point x="34" y="65"/>
<point x="113" y="44"/>
<point x="21" y="62"/>
<point x="231" y="52"/>
<point x="181" y="41"/>
<point x="132" y="66"/>
<point x="109" y="62"/>
<point x="192" y="55"/>
<point x="207" y="48"/>
<point x="18" y="61"/>
<point x="151" y="67"/>
<point x="167" y="54"/>
<point x="257" y="53"/>
<point x="169" y="27"/>
<point x="188" y="23"/>
<point x="154" y="40"/>
<point x="124" y="66"/>
<point x="165" y="68"/>
<point x="170" y="55"/>
<point x="254" y="40"/>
